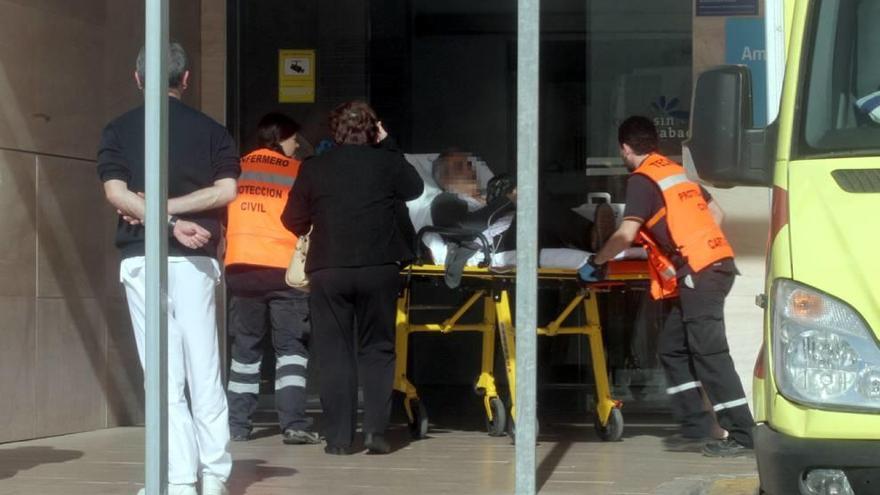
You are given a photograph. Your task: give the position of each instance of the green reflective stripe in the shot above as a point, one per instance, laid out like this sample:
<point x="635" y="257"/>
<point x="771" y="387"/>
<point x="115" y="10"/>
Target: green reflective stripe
<point x="672" y="181"/>
<point x="283" y="180"/>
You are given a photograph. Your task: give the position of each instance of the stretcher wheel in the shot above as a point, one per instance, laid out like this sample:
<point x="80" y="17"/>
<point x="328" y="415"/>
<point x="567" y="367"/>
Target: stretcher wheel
<point x="498" y="425"/>
<point x="613" y="430"/>
<point x="418" y="427"/>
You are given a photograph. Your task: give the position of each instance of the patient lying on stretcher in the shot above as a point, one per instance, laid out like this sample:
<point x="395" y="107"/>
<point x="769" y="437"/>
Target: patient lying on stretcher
<point x="463" y="205"/>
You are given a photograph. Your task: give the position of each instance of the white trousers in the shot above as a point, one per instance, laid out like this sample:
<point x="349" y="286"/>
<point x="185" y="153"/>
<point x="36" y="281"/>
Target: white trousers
<point x="198" y="441"/>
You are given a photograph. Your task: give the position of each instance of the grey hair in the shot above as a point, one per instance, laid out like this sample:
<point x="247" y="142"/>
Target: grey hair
<point x="177" y="64"/>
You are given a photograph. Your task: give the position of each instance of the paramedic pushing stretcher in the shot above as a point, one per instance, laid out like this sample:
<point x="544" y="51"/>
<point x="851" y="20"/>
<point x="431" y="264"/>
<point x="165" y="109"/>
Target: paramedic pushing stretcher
<point x="692" y="270"/>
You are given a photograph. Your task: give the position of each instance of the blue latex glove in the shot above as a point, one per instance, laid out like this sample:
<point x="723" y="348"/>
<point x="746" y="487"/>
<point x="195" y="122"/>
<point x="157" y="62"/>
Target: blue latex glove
<point x="591" y="272"/>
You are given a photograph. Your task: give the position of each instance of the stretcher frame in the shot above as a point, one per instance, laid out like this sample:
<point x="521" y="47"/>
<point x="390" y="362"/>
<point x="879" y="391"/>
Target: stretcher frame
<point x="493" y="289"/>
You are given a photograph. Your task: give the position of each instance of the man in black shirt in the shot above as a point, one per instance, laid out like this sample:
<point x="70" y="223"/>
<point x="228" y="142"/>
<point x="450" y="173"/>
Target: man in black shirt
<point x="203" y="165"/>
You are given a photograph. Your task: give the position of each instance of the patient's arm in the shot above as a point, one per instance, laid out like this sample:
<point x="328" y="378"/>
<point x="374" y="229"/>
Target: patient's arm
<point x="447" y="210"/>
<point x="621" y="239"/>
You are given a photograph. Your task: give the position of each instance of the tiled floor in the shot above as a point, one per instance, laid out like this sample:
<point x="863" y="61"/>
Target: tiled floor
<point x="452" y="461"/>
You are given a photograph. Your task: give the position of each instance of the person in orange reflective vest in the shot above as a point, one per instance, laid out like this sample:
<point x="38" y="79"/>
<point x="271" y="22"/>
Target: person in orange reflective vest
<point x="258" y="251"/>
<point x="692" y="271"/>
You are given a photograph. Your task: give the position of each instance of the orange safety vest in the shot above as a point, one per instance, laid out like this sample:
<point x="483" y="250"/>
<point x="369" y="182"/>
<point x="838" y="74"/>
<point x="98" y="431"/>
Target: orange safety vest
<point x="255" y="234"/>
<point x="698" y="238"/>
<point x="664" y="283"/>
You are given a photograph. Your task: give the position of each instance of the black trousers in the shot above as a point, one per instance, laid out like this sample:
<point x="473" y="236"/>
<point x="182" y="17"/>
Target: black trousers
<point x="694" y="353"/>
<point x="286" y="312"/>
<point x="340" y="299"/>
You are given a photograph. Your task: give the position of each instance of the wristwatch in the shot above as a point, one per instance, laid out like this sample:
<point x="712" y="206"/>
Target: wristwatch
<point x="172" y="221"/>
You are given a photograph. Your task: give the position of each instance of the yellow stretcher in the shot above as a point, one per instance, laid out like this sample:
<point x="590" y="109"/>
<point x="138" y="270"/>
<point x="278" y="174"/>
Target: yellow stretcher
<point x="493" y="289"/>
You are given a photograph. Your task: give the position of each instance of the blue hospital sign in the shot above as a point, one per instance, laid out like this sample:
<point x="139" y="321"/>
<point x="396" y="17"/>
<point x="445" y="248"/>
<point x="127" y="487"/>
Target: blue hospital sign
<point x="746" y="46"/>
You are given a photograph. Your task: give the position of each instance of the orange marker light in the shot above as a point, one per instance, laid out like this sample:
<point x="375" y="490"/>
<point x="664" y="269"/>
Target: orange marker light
<point x="805" y="305"/>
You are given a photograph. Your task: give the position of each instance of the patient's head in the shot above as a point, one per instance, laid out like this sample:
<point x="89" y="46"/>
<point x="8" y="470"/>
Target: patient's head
<point x="454" y="171"/>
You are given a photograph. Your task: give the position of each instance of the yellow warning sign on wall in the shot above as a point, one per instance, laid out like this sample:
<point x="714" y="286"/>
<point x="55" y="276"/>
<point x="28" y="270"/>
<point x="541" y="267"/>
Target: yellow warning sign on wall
<point x="296" y="76"/>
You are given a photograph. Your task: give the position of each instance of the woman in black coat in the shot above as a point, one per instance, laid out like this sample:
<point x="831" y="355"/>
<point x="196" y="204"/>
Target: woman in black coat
<point x="350" y="197"/>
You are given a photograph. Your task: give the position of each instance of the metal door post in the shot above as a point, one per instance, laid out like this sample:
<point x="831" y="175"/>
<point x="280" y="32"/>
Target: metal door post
<point x="156" y="163"/>
<point x="527" y="76"/>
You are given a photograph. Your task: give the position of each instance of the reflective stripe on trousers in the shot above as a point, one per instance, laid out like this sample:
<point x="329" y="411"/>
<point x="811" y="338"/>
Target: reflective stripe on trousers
<point x="730" y="404"/>
<point x="681" y="388"/>
<point x="244" y="378"/>
<point x="290" y="371"/>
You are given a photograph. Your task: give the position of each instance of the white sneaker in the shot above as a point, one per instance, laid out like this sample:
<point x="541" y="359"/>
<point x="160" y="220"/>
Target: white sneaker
<point x="211" y="485"/>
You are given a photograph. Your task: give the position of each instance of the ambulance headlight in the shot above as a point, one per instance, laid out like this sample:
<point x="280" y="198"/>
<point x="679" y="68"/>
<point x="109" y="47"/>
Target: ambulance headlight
<point x="826" y="482"/>
<point x="823" y="353"/>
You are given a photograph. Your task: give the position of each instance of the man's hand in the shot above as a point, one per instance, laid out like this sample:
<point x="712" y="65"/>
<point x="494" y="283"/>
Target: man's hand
<point x="191" y="234"/>
<point x="127" y="203"/>
<point x="131" y="220"/>
<point x="382" y="133"/>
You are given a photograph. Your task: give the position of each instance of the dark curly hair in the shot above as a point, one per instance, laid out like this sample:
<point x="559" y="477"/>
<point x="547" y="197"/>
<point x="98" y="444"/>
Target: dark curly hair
<point x="354" y="122"/>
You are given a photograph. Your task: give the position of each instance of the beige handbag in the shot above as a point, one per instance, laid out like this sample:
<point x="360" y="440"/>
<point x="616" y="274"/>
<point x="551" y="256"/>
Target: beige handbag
<point x="296" y="276"/>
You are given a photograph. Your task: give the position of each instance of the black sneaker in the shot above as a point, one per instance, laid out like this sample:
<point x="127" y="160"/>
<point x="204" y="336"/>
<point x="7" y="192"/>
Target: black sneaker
<point x="300" y="437"/>
<point x="682" y="443"/>
<point x="725" y="448"/>
<point x="376" y="443"/>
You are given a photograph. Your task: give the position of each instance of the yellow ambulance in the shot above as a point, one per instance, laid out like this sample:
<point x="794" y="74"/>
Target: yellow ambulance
<point x="817" y="378"/>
